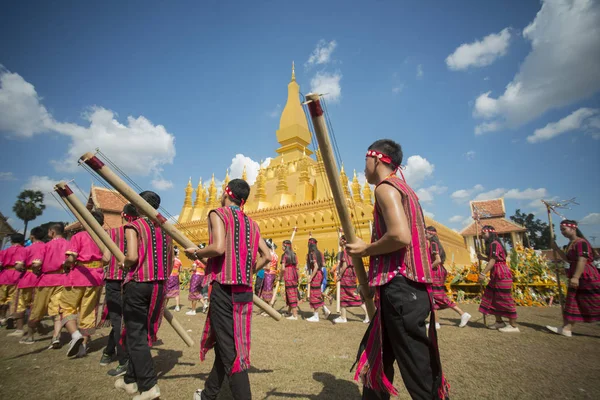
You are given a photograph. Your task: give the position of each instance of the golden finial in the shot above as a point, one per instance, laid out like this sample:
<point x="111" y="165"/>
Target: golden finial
<point x="342" y="170"/>
<point x="213" y="178"/>
<point x="190" y="182"/>
<point x="293" y="72"/>
<point x="244" y="174"/>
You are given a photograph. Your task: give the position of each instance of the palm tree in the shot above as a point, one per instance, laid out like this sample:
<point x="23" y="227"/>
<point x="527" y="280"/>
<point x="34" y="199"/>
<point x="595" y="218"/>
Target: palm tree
<point x="29" y="206"/>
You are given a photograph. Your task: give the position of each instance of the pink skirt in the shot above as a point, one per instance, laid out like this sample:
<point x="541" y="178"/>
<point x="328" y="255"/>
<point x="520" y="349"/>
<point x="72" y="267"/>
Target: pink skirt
<point x="497" y="298"/>
<point x="196" y="287"/>
<point x="173" y="286"/>
<point x="290" y="277"/>
<point x="316" y="295"/>
<point x="438" y="289"/>
<point x="266" y="292"/>
<point x="349" y="296"/>
<point x="583" y="304"/>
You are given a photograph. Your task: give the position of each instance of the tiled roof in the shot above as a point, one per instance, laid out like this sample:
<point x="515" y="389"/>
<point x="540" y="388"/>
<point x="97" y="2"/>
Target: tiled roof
<point x="107" y="199"/>
<point x="494" y="208"/>
<point x="502" y="225"/>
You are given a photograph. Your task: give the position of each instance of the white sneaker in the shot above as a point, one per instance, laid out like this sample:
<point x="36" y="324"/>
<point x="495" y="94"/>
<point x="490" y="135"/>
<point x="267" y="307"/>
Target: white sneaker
<point x="366" y="320"/>
<point x="314" y="318"/>
<point x="292" y="318"/>
<point x="191" y="312"/>
<point x="427" y="326"/>
<point x="437" y="326"/>
<point x="75" y="344"/>
<point x="204" y="308"/>
<point x="497" y="325"/>
<point x="18" y="333"/>
<point x="327" y="312"/>
<point x="197" y="395"/>
<point x="129" y="388"/>
<point x="177" y="308"/>
<point x="509" y="329"/>
<point x="464" y="319"/>
<point x="153" y="393"/>
<point x="340" y="320"/>
<point x="559" y="331"/>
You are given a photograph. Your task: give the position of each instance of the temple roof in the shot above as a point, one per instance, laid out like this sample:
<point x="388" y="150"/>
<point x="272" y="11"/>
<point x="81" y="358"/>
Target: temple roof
<point x="502" y="226"/>
<point x="109" y="201"/>
<point x="5" y="228"/>
<point x="488" y="208"/>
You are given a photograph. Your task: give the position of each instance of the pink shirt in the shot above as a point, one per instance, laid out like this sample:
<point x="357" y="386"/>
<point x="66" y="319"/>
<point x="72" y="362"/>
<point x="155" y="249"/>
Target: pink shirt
<point x="14" y="254"/>
<point x="52" y="263"/>
<point x="34" y="253"/>
<point x="83" y="274"/>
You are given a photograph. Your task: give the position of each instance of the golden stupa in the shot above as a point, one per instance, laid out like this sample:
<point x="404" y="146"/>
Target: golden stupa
<point x="292" y="191"/>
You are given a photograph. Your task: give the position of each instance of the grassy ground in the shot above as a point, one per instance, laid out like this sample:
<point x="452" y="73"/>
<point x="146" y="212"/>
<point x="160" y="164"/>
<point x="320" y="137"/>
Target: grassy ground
<point x="298" y="359"/>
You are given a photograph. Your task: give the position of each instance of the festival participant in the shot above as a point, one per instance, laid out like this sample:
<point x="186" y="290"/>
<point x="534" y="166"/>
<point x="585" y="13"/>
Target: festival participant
<point x="440" y="299"/>
<point x="113" y="297"/>
<point x="82" y="288"/>
<point x="197" y="286"/>
<point x="9" y="278"/>
<point x="316" y="261"/>
<point x="400" y="273"/>
<point x="235" y="248"/>
<point x="583" y="295"/>
<point x="49" y="286"/>
<point x="33" y="258"/>
<point x="149" y="260"/>
<point x="271" y="274"/>
<point x="173" y="284"/>
<point x="289" y="261"/>
<point x="347" y="277"/>
<point x="497" y="298"/>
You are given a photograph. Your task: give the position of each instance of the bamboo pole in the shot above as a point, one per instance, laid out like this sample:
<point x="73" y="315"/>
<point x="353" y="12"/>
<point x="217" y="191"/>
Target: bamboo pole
<point x="95" y="230"/>
<point x="338" y="285"/>
<point x="316" y="113"/>
<point x="555" y="256"/>
<point x="477" y="250"/>
<point x="115" y="181"/>
<point x="79" y="218"/>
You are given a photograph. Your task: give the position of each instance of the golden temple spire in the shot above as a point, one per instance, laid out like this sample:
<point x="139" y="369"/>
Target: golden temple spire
<point x="245" y="174"/>
<point x="282" y="172"/>
<point x="200" y="195"/>
<point x="293" y="72"/>
<point x="367" y="194"/>
<point x="188" y="194"/>
<point x="261" y="194"/>
<point x="356" y="189"/>
<point x="344" y="180"/>
<point x="226" y="181"/>
<point x="212" y="192"/>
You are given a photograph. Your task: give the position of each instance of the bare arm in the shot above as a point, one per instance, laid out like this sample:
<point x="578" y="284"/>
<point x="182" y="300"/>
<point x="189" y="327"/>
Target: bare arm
<point x="264" y="255"/>
<point x="131" y="258"/>
<point x="71" y="258"/>
<point x="437" y="261"/>
<point x="489" y="266"/>
<point x="581" y="262"/>
<point x="217" y="247"/>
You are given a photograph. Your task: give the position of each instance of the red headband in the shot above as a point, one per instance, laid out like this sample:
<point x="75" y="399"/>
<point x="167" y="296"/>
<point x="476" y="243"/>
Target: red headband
<point x="568" y="224"/>
<point x="432" y="232"/>
<point x="386" y="159"/>
<point x="230" y="194"/>
<point x="488" y="230"/>
<point x="127" y="217"/>
<point x="312" y="241"/>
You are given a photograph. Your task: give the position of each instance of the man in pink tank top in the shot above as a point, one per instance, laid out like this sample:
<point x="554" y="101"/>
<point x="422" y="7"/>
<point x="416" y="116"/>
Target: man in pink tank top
<point x="400" y="273"/>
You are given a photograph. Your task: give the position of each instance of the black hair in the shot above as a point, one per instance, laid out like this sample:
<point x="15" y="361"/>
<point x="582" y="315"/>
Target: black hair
<point x="390" y="148"/>
<point x="240" y="189"/>
<point x="58" y="228"/>
<point x="436" y="239"/>
<point x="289" y="252"/>
<point x="130" y="210"/>
<point x="493" y="236"/>
<point x="38" y="233"/>
<point x="98" y="215"/>
<point x="17" y="238"/>
<point x="577" y="230"/>
<point x="151" y="198"/>
<point x="314" y="254"/>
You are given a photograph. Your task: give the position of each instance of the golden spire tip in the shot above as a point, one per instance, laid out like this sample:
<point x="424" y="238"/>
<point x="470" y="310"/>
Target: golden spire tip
<point x="293" y="72"/>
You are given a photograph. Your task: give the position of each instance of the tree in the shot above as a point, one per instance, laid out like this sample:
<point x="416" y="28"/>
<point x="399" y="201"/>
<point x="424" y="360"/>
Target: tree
<point x="29" y="206"/>
<point x="538" y="231"/>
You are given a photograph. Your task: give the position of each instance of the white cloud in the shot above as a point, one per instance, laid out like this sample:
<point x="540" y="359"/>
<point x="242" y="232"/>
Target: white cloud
<point x="456" y="218"/>
<point x="21" y="111"/>
<point x="417" y="170"/>
<point x="491" y="194"/>
<point x="470" y="155"/>
<point x="328" y="84"/>
<point x="590" y="219"/>
<point x="428" y="214"/>
<point x="427" y="195"/>
<point x="480" y="53"/>
<point x="7" y="176"/>
<point x="463" y="195"/>
<point x="45" y="185"/>
<point x="322" y="53"/>
<point x="420" y="71"/>
<point x="161" y="184"/>
<point x="276" y="112"/>
<point x="514" y="194"/>
<point x="139" y="147"/>
<point x="561" y="68"/>
<point x="485" y="127"/>
<point x="579" y="119"/>
<point x="237" y="167"/>
<point x="397" y="89"/>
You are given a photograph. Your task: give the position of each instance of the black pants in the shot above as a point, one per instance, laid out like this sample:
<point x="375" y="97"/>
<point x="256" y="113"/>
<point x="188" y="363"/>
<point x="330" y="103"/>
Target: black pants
<point x="136" y="306"/>
<point x="114" y="303"/>
<point x="404" y="307"/>
<point x="221" y="319"/>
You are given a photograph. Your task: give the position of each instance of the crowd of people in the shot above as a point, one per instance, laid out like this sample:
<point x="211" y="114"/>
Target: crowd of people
<point x="63" y="279"/>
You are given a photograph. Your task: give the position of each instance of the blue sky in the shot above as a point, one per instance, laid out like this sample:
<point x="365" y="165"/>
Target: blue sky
<point x="171" y="91"/>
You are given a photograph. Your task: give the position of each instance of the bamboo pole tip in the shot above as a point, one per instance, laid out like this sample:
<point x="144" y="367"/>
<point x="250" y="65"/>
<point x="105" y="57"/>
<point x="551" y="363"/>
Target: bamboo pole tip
<point x="312" y="96"/>
<point x="86" y="156"/>
<point x="60" y="185"/>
